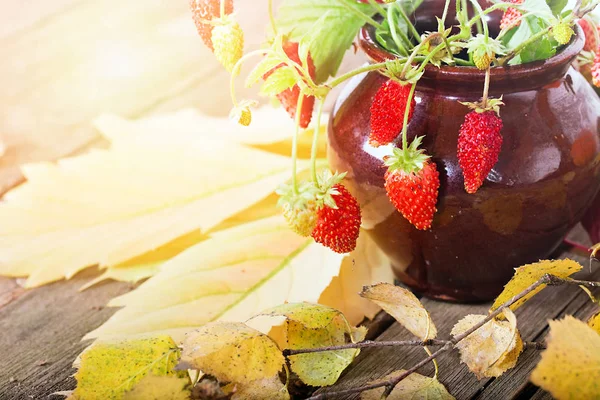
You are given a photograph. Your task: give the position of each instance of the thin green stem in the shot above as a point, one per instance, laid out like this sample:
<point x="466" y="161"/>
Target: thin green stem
<point x="342" y="78"/>
<point x="411" y="27"/>
<point x="491" y="9"/>
<point x="486" y="87"/>
<point x="359" y="13"/>
<point x="272" y="18"/>
<point x="411" y="94"/>
<point x="315" y="142"/>
<point x="236" y="69"/>
<point x="222" y="8"/>
<point x="486" y="30"/>
<point x="398" y="40"/>
<point x="378" y="7"/>
<point x="523" y="45"/>
<point x="442" y="26"/>
<point x="295" y="142"/>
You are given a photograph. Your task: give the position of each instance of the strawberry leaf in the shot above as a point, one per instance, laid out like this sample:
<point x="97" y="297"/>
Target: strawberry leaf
<point x="326" y="27"/>
<point x="281" y="79"/>
<point x="267" y="64"/>
<point x="557" y="6"/>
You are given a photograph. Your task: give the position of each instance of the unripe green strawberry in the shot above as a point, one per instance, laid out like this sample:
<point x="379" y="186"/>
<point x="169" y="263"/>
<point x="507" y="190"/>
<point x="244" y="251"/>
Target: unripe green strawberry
<point x="302" y="219"/>
<point x="482" y="61"/>
<point x="562" y="32"/>
<point x="484" y="50"/>
<point x="228" y="43"/>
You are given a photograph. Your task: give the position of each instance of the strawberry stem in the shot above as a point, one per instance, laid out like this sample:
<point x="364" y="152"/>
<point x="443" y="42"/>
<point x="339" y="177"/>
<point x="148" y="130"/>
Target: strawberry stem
<point x="523" y="45"/>
<point x="222" y="10"/>
<point x="406" y="114"/>
<point x="342" y="78"/>
<point x="486" y="87"/>
<point x="378" y="7"/>
<point x="315" y="142"/>
<point x="272" y="18"/>
<point x="409" y="23"/>
<point x="399" y="37"/>
<point x="236" y="69"/>
<point x="486" y="30"/>
<point x="295" y="142"/>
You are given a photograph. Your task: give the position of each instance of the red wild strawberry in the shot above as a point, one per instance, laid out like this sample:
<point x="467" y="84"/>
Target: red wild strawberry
<point x="204" y="11"/>
<point x="596" y="70"/>
<point x="591" y="32"/>
<point x="387" y="112"/>
<point x="289" y="97"/>
<point x="338" y="227"/>
<point x="412" y="183"/>
<point x="479" y="144"/>
<point x="512" y="16"/>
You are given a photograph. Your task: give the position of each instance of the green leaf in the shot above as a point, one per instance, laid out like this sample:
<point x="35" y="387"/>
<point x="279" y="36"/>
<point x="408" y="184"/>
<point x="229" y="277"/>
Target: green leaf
<point x="529" y="27"/>
<point x="267" y="64"/>
<point x="557" y="6"/>
<point x="108" y="369"/>
<point x="539" y="8"/>
<point x="281" y="79"/>
<point x="540" y="50"/>
<point x="327" y="27"/>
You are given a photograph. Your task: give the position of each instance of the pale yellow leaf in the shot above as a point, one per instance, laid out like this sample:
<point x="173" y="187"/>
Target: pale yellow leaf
<point x="109" y="206"/>
<point x="366" y="265"/>
<point x="527" y="275"/>
<point x="404" y="306"/>
<point x="231" y="352"/>
<point x="492" y="349"/>
<point x="153" y="387"/>
<point x="324" y="368"/>
<point x="413" y="387"/>
<point x="108" y="369"/>
<point x="312" y="316"/>
<point x="570" y="366"/>
<point x="594" y="322"/>
<point x="268" y="388"/>
<point x="230" y="277"/>
<point x="2" y="148"/>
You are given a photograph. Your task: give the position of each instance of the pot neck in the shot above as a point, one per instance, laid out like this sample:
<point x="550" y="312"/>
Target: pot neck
<point x="466" y="80"/>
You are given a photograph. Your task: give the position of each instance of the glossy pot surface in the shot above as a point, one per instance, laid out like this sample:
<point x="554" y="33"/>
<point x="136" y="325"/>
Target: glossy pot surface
<point x="545" y="179"/>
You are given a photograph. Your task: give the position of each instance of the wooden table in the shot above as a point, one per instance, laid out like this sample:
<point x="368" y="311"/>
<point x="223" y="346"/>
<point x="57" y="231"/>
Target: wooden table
<point x="65" y="62"/>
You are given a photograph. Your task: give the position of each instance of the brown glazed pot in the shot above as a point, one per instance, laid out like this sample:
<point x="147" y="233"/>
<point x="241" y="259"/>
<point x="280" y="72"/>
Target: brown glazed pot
<point x="544" y="181"/>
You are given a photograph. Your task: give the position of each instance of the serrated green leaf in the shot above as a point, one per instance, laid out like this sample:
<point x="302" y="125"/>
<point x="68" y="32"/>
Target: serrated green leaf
<point x="540" y="50"/>
<point x="281" y="79"/>
<point x="267" y="64"/>
<point x="557" y="5"/>
<point x="327" y="27"/>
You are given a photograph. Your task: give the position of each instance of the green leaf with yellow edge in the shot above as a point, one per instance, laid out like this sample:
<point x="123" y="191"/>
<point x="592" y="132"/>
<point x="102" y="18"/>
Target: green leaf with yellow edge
<point x="527" y="275"/>
<point x="492" y="349"/>
<point x="594" y="322"/>
<point x="324" y="368"/>
<point x="108" y="369"/>
<point x="152" y="387"/>
<point x="149" y="188"/>
<point x="268" y="388"/>
<point x="404" y="306"/>
<point x="231" y="352"/>
<point x="570" y="366"/>
<point x="312" y="316"/>
<point x="414" y="387"/>
<point x="232" y="276"/>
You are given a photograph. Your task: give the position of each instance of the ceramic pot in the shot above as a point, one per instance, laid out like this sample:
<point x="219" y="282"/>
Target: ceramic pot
<point x="545" y="179"/>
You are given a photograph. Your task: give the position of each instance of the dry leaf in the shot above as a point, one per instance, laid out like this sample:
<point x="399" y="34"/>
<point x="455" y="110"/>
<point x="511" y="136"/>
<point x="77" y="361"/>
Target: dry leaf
<point x="413" y="387"/>
<point x="492" y="349"/>
<point x="528" y="274"/>
<point x="108" y="206"/>
<point x="153" y="387"/>
<point x="366" y="265"/>
<point x="268" y="388"/>
<point x="594" y="322"/>
<point x="404" y="307"/>
<point x="230" y="277"/>
<point x="570" y="366"/>
<point x="108" y="370"/>
<point x="231" y="352"/>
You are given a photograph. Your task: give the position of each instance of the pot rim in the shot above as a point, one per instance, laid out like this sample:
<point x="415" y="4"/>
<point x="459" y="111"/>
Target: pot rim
<point x="515" y="77"/>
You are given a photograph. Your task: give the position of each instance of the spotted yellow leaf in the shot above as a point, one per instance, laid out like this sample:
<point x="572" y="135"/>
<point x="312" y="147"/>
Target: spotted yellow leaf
<point x="528" y="274"/>
<point x="570" y="366"/>
<point x="414" y="387"/>
<point x="232" y="276"/>
<point x="109" y="369"/>
<point x="310" y="315"/>
<point x="492" y="349"/>
<point x="404" y="307"/>
<point x="152" y="387"/>
<point x="594" y="322"/>
<point x="231" y="352"/>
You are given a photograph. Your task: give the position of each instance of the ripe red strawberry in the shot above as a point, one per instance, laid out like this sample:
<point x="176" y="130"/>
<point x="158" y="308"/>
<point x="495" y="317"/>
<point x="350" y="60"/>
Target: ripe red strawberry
<point x="591" y="32"/>
<point x="387" y="112"/>
<point x="207" y="10"/>
<point x="338" y="228"/>
<point x="479" y="144"/>
<point x="412" y="183"/>
<point x="289" y="97"/>
<point x="511" y="17"/>
<point x="596" y="70"/>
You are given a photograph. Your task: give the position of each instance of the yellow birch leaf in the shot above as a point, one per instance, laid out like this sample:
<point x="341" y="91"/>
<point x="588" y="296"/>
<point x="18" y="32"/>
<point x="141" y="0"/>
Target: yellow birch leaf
<point x="324" y="368"/>
<point x="231" y="352"/>
<point x="570" y="366"/>
<point x="414" y="387"/>
<point x="230" y="277"/>
<point x="492" y="349"/>
<point x="312" y="316"/>
<point x="153" y="387"/>
<point x="268" y="388"/>
<point x="108" y="369"/>
<point x="404" y="306"/>
<point x="527" y="275"/>
<point x="367" y="265"/>
<point x="594" y="322"/>
<point x="109" y="206"/>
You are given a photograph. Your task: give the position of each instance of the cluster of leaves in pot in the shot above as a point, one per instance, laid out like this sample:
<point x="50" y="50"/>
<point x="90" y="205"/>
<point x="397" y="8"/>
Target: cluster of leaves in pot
<point x="231" y="360"/>
<point x="299" y="66"/>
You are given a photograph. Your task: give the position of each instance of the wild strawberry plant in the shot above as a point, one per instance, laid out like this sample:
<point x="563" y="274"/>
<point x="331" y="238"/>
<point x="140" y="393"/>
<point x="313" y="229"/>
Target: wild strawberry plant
<point x="299" y="67"/>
